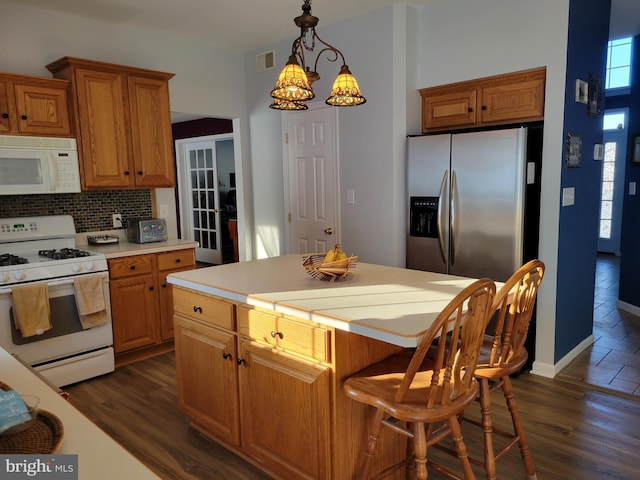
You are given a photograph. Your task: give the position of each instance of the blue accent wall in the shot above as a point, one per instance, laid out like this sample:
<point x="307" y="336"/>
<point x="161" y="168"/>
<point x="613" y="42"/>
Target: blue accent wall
<point x="630" y="239"/>
<point x="578" y="235"/>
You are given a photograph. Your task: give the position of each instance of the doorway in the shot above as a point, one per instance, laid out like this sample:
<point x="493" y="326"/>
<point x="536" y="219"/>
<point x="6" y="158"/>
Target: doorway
<point x="207" y="195"/>
<point x="612" y="184"/>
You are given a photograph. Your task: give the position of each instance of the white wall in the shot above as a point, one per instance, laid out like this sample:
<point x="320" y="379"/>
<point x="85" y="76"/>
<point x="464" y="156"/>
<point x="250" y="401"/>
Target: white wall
<point x="370" y="138"/>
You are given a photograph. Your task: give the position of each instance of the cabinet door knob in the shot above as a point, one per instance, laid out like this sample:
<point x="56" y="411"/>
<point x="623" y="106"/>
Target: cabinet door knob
<point x="139" y="172"/>
<point x="240" y="361"/>
<point x="178" y="260"/>
<point x="151" y="289"/>
<point x="5" y="115"/>
<point x="126" y="172"/>
<point x="484" y="107"/>
<point x="275" y="334"/>
<point x="164" y="285"/>
<point x="23" y="117"/>
<point x="197" y="309"/>
<point x="226" y="355"/>
<point x="469" y="109"/>
<point x="132" y="267"/>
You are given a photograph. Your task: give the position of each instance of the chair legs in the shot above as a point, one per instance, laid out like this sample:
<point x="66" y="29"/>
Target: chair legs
<point x="527" y="460"/>
<point x="375" y="425"/>
<point x="518" y="436"/>
<point x="416" y="461"/>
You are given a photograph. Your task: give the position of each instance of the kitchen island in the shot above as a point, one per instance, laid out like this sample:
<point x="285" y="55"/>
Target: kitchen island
<point x="262" y="350"/>
<point x="99" y="456"/>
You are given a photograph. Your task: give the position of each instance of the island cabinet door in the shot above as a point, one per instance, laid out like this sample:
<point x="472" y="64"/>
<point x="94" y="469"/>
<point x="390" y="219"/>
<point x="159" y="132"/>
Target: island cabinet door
<point x="285" y="412"/>
<point x="207" y="376"/>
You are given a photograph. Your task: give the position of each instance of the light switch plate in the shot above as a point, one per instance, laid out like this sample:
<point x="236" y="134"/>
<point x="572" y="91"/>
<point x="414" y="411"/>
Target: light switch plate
<point x="568" y="196"/>
<point x="351" y="196"/>
<point x="598" y="151"/>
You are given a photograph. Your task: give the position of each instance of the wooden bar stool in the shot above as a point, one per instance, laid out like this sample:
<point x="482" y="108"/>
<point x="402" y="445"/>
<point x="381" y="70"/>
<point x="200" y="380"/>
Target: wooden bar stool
<point x="503" y="354"/>
<point x="421" y="398"/>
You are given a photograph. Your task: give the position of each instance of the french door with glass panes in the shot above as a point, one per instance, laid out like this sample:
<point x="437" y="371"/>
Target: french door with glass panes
<point x="202" y="191"/>
<point x="612" y="186"/>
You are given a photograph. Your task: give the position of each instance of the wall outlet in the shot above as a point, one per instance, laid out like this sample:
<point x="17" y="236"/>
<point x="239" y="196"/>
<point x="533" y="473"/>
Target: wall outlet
<point x="117" y="220"/>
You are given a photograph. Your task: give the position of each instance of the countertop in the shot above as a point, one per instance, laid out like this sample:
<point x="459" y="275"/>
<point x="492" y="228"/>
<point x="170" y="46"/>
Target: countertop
<point x="391" y="304"/>
<point x="126" y="249"/>
<point x="99" y="456"/>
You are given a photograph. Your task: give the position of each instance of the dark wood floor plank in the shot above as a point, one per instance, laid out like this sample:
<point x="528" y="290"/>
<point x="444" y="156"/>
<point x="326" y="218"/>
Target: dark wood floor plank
<point x="574" y="432"/>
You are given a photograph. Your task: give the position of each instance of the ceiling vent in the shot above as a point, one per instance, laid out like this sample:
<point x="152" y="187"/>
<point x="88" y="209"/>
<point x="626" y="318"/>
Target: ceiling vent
<point x="265" y="61"/>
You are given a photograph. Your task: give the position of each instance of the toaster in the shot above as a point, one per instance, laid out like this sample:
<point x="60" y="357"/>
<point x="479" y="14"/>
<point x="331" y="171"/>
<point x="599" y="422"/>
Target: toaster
<point x="147" y="230"/>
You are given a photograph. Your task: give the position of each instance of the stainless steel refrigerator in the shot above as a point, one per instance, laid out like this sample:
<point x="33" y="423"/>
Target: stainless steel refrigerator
<point x="473" y="201"/>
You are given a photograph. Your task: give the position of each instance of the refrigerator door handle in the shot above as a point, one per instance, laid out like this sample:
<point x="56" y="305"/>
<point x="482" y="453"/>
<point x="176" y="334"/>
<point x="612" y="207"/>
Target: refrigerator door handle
<point x="443" y="189"/>
<point x="453" y="203"/>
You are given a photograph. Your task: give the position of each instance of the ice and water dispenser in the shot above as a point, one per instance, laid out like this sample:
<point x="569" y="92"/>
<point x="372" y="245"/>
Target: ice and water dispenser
<point x="423" y="217"/>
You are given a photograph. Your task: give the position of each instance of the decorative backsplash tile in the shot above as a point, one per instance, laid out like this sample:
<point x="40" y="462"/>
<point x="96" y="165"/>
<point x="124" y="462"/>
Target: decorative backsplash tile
<point x="91" y="210"/>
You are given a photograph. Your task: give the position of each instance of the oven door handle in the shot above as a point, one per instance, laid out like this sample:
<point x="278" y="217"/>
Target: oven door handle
<point x="53" y="283"/>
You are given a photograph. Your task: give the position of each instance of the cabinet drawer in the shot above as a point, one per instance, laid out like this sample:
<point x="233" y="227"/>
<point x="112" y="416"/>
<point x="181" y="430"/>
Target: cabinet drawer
<point x="176" y="259"/>
<point x="288" y="334"/>
<point x="128" y="266"/>
<point x="203" y="308"/>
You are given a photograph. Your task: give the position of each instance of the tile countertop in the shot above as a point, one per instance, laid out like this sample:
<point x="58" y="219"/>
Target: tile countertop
<point x="395" y="305"/>
<point x="99" y="456"/>
<point x="126" y="249"/>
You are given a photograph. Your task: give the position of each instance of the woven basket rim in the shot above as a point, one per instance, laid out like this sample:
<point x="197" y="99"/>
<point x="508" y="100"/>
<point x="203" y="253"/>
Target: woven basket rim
<point x="44" y="436"/>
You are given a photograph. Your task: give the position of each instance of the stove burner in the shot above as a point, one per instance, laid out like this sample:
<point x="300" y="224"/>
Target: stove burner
<point x="63" y="253"/>
<point x="7" y="259"/>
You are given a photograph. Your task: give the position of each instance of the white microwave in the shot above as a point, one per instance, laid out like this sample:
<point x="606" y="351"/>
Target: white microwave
<point x="30" y="165"/>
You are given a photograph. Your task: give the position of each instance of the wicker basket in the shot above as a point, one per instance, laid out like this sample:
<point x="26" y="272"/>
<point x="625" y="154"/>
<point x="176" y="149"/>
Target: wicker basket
<point x="44" y="435"/>
<point x="330" y="271"/>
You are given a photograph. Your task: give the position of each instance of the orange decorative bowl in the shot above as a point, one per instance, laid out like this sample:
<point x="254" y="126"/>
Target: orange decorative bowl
<point x="329" y="271"/>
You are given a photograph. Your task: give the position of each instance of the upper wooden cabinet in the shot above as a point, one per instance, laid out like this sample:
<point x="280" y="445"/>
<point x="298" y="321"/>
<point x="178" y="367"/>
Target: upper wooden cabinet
<point x="499" y="100"/>
<point x="34" y="106"/>
<point x="124" y="123"/>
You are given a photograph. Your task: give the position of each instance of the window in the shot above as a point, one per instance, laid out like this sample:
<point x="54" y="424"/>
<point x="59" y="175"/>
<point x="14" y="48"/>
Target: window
<point x="619" y="63"/>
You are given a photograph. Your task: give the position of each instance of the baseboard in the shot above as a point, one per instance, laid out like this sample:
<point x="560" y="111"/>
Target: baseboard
<point x="551" y="370"/>
<point x="627" y="307"/>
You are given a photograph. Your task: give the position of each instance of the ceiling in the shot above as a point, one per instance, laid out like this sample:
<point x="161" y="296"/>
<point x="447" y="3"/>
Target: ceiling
<point x="244" y="24"/>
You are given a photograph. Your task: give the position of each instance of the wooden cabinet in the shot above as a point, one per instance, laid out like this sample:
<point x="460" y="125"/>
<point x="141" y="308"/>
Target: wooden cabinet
<point x="292" y="437"/>
<point x="141" y="305"/>
<point x="208" y="380"/>
<point x="133" y="302"/>
<point x="207" y="362"/>
<point x="124" y="123"/>
<point x="268" y="387"/>
<point x="34" y="106"/>
<point x="167" y="263"/>
<point x="503" y="99"/>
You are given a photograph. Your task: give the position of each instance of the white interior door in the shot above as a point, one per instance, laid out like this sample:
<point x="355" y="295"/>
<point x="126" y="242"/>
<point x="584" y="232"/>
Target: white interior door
<point x="200" y="188"/>
<point x="311" y="180"/>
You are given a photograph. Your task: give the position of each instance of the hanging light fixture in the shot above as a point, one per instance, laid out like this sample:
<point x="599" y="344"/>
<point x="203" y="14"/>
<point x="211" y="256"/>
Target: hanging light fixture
<point x="293" y="87"/>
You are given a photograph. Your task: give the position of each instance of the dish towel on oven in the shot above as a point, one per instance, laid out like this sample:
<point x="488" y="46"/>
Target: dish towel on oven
<point x="92" y="307"/>
<point x="31" y="313"/>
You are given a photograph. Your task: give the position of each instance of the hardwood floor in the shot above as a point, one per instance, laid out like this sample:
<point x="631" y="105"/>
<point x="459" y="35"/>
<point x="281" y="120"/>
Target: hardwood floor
<point x="574" y="432"/>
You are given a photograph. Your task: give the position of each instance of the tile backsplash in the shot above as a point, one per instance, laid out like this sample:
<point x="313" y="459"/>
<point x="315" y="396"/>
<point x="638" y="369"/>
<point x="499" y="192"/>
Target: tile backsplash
<point x="91" y="210"/>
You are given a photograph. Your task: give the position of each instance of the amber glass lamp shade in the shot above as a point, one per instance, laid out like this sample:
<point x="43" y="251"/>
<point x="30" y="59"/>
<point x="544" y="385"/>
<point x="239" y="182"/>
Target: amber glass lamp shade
<point x="288" y="105"/>
<point x="292" y="84"/>
<point x="345" y="91"/>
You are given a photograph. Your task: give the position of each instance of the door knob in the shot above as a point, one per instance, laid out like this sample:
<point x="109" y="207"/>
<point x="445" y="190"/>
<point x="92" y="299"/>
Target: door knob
<point x="328" y="231"/>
